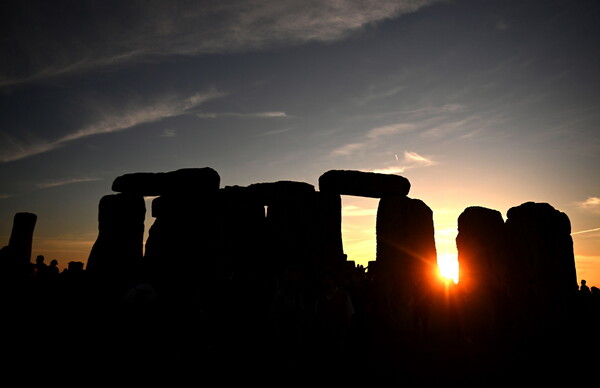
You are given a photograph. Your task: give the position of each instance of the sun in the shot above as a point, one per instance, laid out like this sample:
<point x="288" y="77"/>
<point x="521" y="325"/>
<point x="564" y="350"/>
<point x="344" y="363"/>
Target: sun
<point x="448" y="266"/>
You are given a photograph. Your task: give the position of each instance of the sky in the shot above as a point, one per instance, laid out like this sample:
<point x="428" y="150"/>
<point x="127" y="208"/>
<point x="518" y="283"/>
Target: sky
<point x="477" y="102"/>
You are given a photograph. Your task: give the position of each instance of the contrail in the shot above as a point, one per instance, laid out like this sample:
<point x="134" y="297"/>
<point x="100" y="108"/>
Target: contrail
<point x="586" y="231"/>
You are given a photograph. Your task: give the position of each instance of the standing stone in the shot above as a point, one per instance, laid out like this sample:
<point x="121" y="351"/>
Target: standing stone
<point x="182" y="250"/>
<point x="406" y="253"/>
<point x="21" y="237"/>
<point x="303" y="226"/>
<point x="481" y="249"/>
<point x="243" y="231"/>
<point x="118" y="249"/>
<point x="481" y="244"/>
<point x="543" y="276"/>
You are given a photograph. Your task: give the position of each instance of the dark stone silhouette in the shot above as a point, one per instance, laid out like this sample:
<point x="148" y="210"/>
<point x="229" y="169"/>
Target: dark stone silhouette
<point x="481" y="244"/>
<point x="363" y="184"/>
<point x="21" y="238"/>
<point x="541" y="262"/>
<point x="251" y="284"/>
<point x="182" y="181"/>
<point x="406" y="257"/>
<point x="118" y="250"/>
<point x="303" y="226"/>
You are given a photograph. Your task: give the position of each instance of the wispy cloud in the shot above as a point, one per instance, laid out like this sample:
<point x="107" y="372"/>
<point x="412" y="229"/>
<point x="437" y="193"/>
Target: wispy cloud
<point x="168" y="132"/>
<point x="47" y="185"/>
<point x="372" y="138"/>
<point x="5" y="196"/>
<point x="276" y="132"/>
<point x="110" y="120"/>
<point x="411" y="160"/>
<point x="592" y="204"/>
<point x="416" y="159"/>
<point x="156" y="28"/>
<point x="243" y="115"/>
<point x="348" y="149"/>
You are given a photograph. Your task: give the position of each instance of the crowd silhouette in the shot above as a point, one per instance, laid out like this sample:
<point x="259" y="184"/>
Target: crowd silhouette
<point x="293" y="328"/>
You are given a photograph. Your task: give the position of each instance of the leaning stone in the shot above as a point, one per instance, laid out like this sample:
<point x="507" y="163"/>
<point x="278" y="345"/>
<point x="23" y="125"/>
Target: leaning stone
<point x="21" y="238"/>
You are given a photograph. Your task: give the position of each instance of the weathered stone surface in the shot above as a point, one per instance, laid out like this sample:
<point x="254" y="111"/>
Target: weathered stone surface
<point x="21" y="237"/>
<point x="118" y="248"/>
<point x="363" y="184"/>
<point x="186" y="180"/>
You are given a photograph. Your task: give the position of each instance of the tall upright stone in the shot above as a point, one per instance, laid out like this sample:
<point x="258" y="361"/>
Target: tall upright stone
<point x="242" y="226"/>
<point x="406" y="253"/>
<point x="181" y="253"/>
<point x="543" y="277"/>
<point x="482" y="257"/>
<point x="303" y="226"/>
<point x="481" y="244"/>
<point x="21" y="238"/>
<point x="118" y="249"/>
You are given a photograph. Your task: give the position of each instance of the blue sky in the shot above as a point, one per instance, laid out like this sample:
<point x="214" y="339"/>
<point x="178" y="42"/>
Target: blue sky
<point x="489" y="103"/>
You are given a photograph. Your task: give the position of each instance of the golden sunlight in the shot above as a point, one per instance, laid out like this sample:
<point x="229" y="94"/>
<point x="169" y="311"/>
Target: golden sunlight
<point x="448" y="266"/>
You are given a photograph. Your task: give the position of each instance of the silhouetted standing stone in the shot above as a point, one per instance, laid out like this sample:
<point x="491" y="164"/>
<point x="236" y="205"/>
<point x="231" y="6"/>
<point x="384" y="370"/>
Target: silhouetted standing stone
<point x="303" y="226"/>
<point x="21" y="238"/>
<point x="118" y="250"/>
<point x="181" y="256"/>
<point x="406" y="252"/>
<point x="543" y="277"/>
<point x="363" y="184"/>
<point x="243" y="230"/>
<point x="481" y="243"/>
<point x="481" y="248"/>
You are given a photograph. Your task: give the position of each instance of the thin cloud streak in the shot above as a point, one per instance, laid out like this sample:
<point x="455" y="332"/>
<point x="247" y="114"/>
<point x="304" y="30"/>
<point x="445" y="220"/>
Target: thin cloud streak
<point x="111" y="122"/>
<point x="65" y="182"/>
<point x="411" y="160"/>
<point x="586" y="231"/>
<point x="243" y="115"/>
<point x="275" y="132"/>
<point x="372" y="138"/>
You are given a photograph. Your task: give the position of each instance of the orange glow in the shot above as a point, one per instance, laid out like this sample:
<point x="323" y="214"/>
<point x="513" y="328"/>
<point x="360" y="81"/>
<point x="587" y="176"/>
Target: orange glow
<point x="448" y="266"/>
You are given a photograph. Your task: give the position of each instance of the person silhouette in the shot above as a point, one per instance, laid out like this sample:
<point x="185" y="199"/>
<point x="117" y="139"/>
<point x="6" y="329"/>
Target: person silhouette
<point x="584" y="289"/>
<point x="40" y="267"/>
<point x="53" y="267"/>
